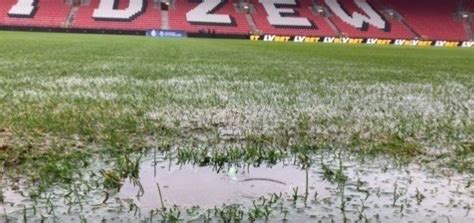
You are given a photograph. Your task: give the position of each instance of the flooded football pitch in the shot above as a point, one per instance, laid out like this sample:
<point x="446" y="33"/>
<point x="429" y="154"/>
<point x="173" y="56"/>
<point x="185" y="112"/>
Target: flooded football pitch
<point x="124" y="129"/>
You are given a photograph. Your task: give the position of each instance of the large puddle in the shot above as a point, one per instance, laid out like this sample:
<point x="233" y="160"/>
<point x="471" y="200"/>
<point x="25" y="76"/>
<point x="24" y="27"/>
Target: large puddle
<point x="188" y="185"/>
<point x="332" y="189"/>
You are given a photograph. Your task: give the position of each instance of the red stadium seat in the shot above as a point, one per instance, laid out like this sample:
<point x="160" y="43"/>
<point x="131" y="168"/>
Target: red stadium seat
<point x="431" y="19"/>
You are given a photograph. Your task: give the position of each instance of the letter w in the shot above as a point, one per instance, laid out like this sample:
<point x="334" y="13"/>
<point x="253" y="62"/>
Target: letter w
<point x="356" y="19"/>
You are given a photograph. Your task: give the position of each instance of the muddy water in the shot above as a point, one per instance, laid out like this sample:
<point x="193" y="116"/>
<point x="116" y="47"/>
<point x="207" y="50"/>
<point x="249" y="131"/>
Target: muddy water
<point x="376" y="190"/>
<point x="189" y="185"/>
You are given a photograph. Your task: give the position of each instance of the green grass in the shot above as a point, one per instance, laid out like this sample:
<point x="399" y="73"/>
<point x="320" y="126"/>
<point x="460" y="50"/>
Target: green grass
<point x="120" y="94"/>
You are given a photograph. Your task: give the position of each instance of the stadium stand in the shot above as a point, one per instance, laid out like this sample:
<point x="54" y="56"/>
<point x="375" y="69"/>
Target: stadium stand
<point x="298" y="19"/>
<point x="31" y="13"/>
<point x="391" y="19"/>
<point x="364" y="19"/>
<point x="431" y="19"/>
<point x="129" y="15"/>
<point x="192" y="16"/>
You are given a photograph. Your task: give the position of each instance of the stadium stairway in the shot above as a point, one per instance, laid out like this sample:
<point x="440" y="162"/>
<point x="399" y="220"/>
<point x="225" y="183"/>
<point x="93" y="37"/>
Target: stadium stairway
<point x="71" y="16"/>
<point x="333" y="27"/>
<point x="247" y="9"/>
<point x="324" y="12"/>
<point x="408" y="27"/>
<point x="472" y="30"/>
<point x="251" y="23"/>
<point x="165" y="21"/>
<point x="468" y="27"/>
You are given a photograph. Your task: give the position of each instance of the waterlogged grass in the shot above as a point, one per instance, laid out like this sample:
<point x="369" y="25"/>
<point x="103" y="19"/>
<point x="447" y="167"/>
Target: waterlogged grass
<point x="68" y="99"/>
<point x="330" y="186"/>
